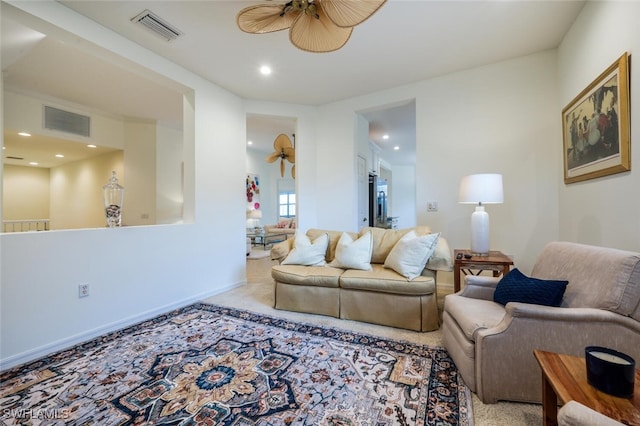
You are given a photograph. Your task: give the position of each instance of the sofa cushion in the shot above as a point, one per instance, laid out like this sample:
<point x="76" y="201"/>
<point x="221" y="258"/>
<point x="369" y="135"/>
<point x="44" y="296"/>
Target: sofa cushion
<point x="517" y="287"/>
<point x="384" y="240"/>
<point x="441" y="259"/>
<point x="384" y="280"/>
<point x="410" y="254"/>
<point x="307" y="252"/>
<point x="473" y="315"/>
<point x="334" y="237"/>
<point x="352" y="254"/>
<point x="319" y="276"/>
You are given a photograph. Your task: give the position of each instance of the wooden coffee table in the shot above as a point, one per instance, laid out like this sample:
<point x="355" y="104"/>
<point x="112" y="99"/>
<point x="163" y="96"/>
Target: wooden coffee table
<point x="564" y="377"/>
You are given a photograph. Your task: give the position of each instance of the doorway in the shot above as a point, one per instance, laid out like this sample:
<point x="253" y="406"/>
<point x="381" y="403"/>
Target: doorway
<point x="262" y="131"/>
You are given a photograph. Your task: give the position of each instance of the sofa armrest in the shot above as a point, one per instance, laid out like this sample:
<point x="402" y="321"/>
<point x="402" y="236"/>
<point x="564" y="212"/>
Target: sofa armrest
<point x="280" y="250"/>
<point x="551" y="316"/>
<point x="479" y="287"/>
<point x="441" y="259"/>
<point x="508" y="346"/>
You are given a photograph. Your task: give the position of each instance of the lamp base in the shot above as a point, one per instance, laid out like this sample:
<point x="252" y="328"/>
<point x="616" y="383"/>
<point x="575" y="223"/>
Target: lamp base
<point x="480" y="232"/>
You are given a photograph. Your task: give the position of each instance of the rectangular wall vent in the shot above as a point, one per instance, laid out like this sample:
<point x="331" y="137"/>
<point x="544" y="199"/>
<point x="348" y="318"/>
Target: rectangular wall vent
<point x="11" y="157"/>
<point x="68" y="122"/>
<point x="158" y="25"/>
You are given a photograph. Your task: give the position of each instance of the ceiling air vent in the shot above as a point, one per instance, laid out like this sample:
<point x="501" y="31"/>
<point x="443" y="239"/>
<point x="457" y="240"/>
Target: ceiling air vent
<point x="158" y="25"/>
<point x="68" y="122"/>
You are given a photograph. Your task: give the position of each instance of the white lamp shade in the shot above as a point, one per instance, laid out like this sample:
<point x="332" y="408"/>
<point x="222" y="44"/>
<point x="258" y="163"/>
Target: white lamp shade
<point x="481" y="189"/>
<point x="254" y="214"/>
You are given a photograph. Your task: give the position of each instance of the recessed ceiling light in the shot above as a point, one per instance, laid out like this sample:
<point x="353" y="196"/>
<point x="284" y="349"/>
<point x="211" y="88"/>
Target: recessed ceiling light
<point x="33" y="163"/>
<point x="385" y="137"/>
<point x="91" y="146"/>
<point x="249" y="142"/>
<point x="265" y="70"/>
<point x="25" y="134"/>
<point x="59" y="156"/>
<point x="396" y="148"/>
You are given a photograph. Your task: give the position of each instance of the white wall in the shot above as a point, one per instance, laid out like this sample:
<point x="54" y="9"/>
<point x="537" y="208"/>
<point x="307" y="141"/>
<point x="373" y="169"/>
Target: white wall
<point x="75" y="191"/>
<point x="139" y="205"/>
<point x="403" y="195"/>
<point x="26" y="193"/>
<point x="24" y="111"/>
<point x="133" y="272"/>
<point x="501" y="118"/>
<point x="604" y="211"/>
<point x="169" y="170"/>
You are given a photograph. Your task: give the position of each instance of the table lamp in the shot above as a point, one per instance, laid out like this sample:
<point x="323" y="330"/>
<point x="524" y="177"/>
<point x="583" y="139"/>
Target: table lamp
<point x="480" y="189"/>
<point x="254" y="216"/>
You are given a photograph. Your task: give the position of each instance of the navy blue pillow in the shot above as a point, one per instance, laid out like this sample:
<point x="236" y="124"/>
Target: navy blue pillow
<point x="517" y="287"/>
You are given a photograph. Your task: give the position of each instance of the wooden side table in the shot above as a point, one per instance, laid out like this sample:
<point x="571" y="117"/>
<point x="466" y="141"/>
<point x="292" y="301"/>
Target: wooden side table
<point x="564" y="377"/>
<point x="495" y="261"/>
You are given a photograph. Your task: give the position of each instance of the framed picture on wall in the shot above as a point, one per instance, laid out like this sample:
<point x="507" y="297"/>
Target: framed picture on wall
<point x="595" y="127"/>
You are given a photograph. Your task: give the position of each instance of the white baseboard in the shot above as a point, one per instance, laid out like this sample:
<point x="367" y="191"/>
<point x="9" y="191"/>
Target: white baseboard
<point x="39" y="352"/>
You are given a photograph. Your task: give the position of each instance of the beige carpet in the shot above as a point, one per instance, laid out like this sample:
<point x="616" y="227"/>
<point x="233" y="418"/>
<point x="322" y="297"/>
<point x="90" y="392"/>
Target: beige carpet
<point x="258" y="252"/>
<point x="257" y="296"/>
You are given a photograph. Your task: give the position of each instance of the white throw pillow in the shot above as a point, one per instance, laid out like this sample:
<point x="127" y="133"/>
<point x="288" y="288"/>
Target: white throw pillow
<point x="411" y="253"/>
<point x="353" y="254"/>
<point x="308" y="253"/>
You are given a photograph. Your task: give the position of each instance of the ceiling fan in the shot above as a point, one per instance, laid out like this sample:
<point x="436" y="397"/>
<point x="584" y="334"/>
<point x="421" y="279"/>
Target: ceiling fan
<point x="315" y="25"/>
<point x="284" y="150"/>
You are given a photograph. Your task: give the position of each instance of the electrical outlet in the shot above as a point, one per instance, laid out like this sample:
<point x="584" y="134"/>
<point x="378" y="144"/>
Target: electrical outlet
<point x="432" y="206"/>
<point x="83" y="290"/>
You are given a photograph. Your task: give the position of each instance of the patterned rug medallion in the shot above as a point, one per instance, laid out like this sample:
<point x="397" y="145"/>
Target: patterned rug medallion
<point x="210" y="365"/>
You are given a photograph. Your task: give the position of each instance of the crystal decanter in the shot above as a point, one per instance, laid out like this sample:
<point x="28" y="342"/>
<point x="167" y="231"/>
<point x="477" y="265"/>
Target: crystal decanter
<point x="113" y="194"/>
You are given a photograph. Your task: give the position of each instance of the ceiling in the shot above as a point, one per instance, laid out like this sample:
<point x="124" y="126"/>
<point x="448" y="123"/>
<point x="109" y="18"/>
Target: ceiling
<point x="404" y="42"/>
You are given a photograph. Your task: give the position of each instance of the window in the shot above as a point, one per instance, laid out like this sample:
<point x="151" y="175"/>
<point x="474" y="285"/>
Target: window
<point x="287" y="204"/>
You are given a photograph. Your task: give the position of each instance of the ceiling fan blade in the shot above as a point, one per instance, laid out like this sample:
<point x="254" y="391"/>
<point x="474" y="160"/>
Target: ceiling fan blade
<point x="290" y="154"/>
<point x="318" y="35"/>
<point x="282" y="142"/>
<point x="262" y="19"/>
<point x="293" y="171"/>
<point x="273" y="157"/>
<point x="282" y="168"/>
<point x="350" y="13"/>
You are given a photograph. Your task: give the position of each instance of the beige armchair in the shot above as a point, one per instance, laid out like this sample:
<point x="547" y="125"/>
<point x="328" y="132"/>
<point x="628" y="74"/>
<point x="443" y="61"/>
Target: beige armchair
<point x="575" y="414"/>
<point x="492" y="345"/>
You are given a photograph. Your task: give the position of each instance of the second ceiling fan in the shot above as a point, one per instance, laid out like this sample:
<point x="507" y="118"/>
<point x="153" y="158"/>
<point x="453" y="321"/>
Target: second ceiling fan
<point x="284" y="150"/>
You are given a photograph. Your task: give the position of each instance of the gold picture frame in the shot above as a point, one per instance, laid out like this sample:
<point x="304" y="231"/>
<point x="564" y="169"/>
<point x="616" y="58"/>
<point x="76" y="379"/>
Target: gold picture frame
<point x="595" y="127"/>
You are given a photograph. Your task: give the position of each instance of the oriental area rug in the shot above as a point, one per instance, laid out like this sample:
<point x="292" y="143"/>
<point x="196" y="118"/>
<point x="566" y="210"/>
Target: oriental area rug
<point x="210" y="365"/>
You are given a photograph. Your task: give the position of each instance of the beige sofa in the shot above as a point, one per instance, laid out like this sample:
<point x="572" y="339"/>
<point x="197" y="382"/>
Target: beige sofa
<point x="285" y="225"/>
<point x="379" y="296"/>
<point x="492" y="345"/>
